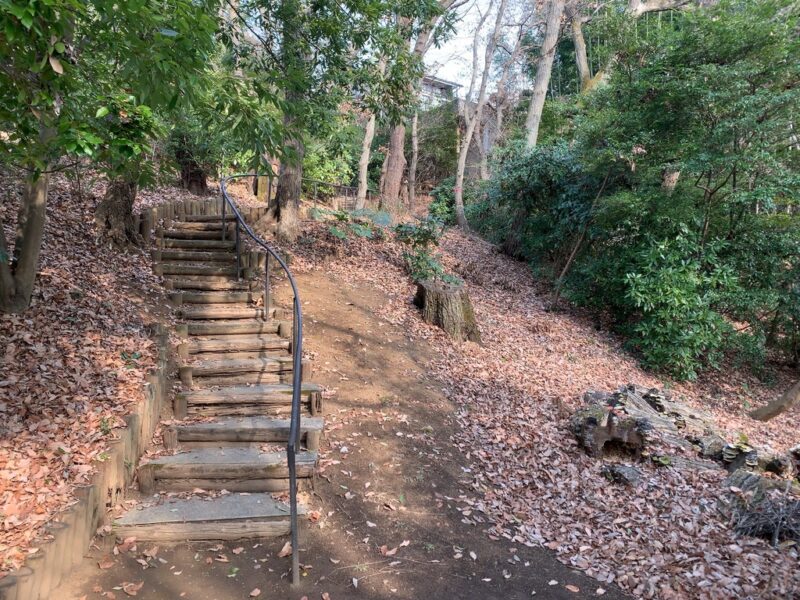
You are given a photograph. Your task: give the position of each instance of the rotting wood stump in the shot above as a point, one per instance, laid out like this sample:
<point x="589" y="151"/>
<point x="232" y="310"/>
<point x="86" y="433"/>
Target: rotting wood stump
<point x="447" y="306"/>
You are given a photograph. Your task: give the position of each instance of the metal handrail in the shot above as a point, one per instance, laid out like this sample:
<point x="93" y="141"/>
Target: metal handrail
<point x="297" y="352"/>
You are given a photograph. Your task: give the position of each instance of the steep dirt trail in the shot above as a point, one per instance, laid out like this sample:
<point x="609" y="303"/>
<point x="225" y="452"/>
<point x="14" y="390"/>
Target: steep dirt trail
<point x="391" y="474"/>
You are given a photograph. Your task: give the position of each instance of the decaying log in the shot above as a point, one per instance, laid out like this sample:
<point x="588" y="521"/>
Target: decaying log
<point x="447" y="305"/>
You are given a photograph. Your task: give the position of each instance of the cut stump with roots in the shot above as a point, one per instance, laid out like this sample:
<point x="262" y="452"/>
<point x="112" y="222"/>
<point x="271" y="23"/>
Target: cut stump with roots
<point x="447" y="306"/>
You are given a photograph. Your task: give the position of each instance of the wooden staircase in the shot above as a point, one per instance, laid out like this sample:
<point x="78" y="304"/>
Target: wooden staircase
<point x="236" y="371"/>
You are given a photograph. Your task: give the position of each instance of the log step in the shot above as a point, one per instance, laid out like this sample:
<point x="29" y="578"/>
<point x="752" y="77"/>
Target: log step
<point x="220" y="297"/>
<point x="241" y="431"/>
<point x="237" y="343"/>
<point x="238" y="327"/>
<point x="193" y="255"/>
<point x="201" y="225"/>
<point x="189" y="269"/>
<point x="236" y="366"/>
<point x="232" y="469"/>
<point x="265" y="399"/>
<point x="216" y="311"/>
<point x="204" y="284"/>
<point x="190" y="234"/>
<point x="227" y="517"/>
<point x="198" y="244"/>
<point x="205" y="218"/>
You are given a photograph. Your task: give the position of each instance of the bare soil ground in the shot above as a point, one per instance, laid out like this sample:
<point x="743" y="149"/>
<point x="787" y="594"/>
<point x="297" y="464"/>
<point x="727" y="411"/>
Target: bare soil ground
<point x="390" y="519"/>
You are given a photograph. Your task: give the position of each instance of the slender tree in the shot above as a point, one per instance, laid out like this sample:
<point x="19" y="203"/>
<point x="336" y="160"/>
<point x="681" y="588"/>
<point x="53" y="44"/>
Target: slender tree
<point x="473" y="117"/>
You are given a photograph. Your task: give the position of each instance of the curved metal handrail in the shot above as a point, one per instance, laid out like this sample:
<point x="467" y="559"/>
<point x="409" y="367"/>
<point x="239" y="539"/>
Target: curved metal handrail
<point x="297" y="352"/>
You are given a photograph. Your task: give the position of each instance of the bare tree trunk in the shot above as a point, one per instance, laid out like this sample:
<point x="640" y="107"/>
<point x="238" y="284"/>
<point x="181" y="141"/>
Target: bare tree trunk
<point x="581" y="59"/>
<point x="544" y="68"/>
<point x="474" y="119"/>
<point x="286" y="205"/>
<point x="395" y="166"/>
<point x="503" y="82"/>
<point x="412" y="167"/>
<point x="788" y="400"/>
<point x="482" y="151"/>
<point x="114" y="214"/>
<point x="18" y="278"/>
<point x="363" y="163"/>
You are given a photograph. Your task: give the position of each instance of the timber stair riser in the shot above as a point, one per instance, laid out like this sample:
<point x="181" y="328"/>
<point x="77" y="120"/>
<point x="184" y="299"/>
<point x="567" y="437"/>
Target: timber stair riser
<point x="228" y="285"/>
<point x="238" y="327"/>
<point x="192" y="269"/>
<point x="233" y="343"/>
<point x="232" y="469"/>
<point x="212" y="297"/>
<point x="170" y="255"/>
<point x="200" y="312"/>
<point x="241" y="431"/>
<point x="254" y="400"/>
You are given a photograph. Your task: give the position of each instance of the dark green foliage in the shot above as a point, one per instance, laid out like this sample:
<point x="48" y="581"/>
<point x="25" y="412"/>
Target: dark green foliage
<point x="421" y="238"/>
<point x="705" y="102"/>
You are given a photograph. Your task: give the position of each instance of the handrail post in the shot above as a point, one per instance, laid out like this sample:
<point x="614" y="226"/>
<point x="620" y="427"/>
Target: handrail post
<point x="267" y="292"/>
<point x="224" y="202"/>
<point x="238" y="253"/>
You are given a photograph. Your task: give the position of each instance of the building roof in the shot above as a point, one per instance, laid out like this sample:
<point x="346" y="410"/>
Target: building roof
<point x="438" y="82"/>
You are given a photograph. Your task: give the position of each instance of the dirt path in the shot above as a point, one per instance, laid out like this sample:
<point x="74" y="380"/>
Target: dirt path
<point x="390" y="475"/>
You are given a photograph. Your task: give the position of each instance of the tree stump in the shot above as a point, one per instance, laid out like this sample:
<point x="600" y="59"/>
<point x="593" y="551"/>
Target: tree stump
<point x="447" y="306"/>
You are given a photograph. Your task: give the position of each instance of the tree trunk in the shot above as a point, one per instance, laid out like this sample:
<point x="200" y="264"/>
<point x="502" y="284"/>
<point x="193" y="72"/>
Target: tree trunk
<point x="395" y="166"/>
<point x="363" y="164"/>
<point x="448" y="306"/>
<point x="412" y="168"/>
<point x="581" y="59"/>
<point x="474" y="119"/>
<point x="543" y="70"/>
<point x="787" y="401"/>
<point x="193" y="177"/>
<point x="114" y="215"/>
<point x="285" y="207"/>
<point x="482" y="152"/>
<point x="17" y="277"/>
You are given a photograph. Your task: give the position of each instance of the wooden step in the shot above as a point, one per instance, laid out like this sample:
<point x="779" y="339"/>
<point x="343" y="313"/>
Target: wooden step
<point x="198" y="256"/>
<point x="232" y="469"/>
<point x="204" y="284"/>
<point x="237" y="327"/>
<point x="236" y="366"/>
<point x="221" y="297"/>
<point x="221" y="311"/>
<point x="191" y="234"/>
<point x="241" y="431"/>
<point x="266" y="399"/>
<point x="205" y="218"/>
<point x="190" y="269"/>
<point x="200" y="225"/>
<point x="236" y="343"/>
<point x="214" y="244"/>
<point x="227" y="517"/>
<point x="235" y="371"/>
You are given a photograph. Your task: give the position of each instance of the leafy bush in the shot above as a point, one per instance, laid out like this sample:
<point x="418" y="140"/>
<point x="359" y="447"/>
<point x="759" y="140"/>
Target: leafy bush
<point x="677" y="330"/>
<point x="421" y="238"/>
<point x="659" y="214"/>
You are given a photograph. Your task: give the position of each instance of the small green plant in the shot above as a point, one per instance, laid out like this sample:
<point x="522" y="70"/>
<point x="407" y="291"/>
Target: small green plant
<point x="421" y="238"/>
<point x="105" y="425"/>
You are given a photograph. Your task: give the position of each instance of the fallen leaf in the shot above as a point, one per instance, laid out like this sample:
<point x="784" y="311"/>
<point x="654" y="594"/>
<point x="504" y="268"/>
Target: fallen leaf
<point x="286" y="550"/>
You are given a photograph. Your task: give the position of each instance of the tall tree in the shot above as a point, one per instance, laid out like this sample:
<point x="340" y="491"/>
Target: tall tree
<point x="395" y="157"/>
<point x="544" y="68"/>
<point x="473" y="117"/>
<point x="59" y="62"/>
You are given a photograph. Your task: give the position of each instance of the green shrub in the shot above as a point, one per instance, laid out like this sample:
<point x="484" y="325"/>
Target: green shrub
<point x="421" y="238"/>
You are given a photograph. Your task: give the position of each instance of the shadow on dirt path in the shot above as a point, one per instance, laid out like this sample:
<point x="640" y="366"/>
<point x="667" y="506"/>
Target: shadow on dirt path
<point x="389" y="520"/>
